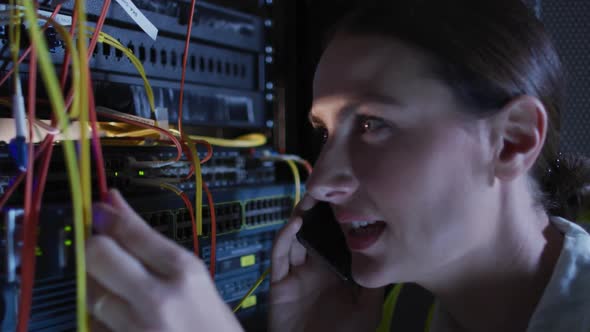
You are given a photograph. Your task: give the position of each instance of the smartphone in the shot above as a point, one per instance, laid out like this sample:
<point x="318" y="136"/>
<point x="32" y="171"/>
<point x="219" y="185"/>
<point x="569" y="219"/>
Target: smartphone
<point x="321" y="235"/>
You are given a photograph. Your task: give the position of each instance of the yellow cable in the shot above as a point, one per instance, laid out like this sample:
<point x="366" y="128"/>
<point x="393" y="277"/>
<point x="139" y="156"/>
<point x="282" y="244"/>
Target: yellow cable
<point x="85" y="163"/>
<point x="109" y="40"/>
<point x="198" y="185"/>
<point x="252" y="289"/>
<point x="297" y="179"/>
<point x="245" y="141"/>
<point x="58" y="107"/>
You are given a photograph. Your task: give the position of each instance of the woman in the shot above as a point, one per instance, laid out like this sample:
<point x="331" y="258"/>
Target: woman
<point x="439" y="121"/>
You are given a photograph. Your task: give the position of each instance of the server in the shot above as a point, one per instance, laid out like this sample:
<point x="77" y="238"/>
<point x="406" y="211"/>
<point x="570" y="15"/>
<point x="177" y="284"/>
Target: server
<point x="185" y="122"/>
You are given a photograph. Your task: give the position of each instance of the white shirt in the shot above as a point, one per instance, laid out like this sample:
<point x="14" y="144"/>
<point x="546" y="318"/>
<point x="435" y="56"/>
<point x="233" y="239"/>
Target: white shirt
<point x="565" y="304"/>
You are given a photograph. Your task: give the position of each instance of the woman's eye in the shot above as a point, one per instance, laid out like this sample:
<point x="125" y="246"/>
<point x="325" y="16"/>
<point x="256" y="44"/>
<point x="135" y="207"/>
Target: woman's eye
<point x="369" y="124"/>
<point x="321" y="134"/>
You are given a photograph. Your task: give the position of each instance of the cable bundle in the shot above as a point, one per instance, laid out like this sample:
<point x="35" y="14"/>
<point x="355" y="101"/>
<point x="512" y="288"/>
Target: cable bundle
<point x="79" y="105"/>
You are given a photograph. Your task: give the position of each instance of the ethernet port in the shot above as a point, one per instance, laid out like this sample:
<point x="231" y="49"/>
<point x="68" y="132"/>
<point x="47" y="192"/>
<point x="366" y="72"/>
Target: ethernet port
<point x="153" y="55"/>
<point x="142" y="56"/>
<point x="155" y="220"/>
<point x="166" y="219"/>
<point x="131" y="48"/>
<point x="106" y="50"/>
<point x="207" y="229"/>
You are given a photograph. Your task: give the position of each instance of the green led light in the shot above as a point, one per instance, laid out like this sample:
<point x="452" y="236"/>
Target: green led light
<point x="141" y="173"/>
<point x="68" y="228"/>
<point x="116" y="173"/>
<point x="68" y="243"/>
<point x="38" y="251"/>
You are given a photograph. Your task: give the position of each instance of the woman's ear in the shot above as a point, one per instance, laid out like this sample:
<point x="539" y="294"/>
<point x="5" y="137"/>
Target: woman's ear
<point x="521" y="128"/>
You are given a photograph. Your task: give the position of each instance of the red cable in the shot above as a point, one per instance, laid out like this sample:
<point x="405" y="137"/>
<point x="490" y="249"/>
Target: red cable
<point x="191" y="211"/>
<point x="99" y="158"/>
<point x="30" y="222"/>
<point x="187" y="42"/>
<point x="28" y="50"/>
<point x="67" y="56"/>
<point x="96" y="146"/>
<point x="213" y="229"/>
<point x="99" y="24"/>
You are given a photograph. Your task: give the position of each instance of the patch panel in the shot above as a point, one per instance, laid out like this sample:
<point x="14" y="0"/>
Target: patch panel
<point x="242" y="264"/>
<point x="212" y="24"/>
<point x="203" y="105"/>
<point x="234" y="288"/>
<point x="240" y="245"/>
<point x="162" y="221"/>
<point x="261" y="212"/>
<point x="126" y="170"/>
<point x="228" y="219"/>
<point x="241" y="256"/>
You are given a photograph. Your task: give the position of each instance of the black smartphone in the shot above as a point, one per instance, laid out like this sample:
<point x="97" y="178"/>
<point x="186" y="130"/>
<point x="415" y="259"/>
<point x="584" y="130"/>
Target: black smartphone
<point x="321" y="235"/>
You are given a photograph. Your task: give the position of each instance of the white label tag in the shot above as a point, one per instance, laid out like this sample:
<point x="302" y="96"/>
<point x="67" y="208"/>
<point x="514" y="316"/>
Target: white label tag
<point x="139" y="18"/>
<point x="64" y="20"/>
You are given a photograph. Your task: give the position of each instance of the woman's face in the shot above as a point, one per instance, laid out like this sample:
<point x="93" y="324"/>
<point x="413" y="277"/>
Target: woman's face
<point x="406" y="172"/>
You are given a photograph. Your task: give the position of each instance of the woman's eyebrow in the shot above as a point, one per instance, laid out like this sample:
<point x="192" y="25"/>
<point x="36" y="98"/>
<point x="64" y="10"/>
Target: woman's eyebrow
<point x="377" y="98"/>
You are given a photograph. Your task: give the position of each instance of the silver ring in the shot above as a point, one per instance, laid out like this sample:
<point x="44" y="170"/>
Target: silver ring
<point x="97" y="306"/>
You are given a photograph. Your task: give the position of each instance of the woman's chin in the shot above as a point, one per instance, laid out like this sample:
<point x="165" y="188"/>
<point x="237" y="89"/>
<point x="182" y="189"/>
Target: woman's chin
<point x="368" y="272"/>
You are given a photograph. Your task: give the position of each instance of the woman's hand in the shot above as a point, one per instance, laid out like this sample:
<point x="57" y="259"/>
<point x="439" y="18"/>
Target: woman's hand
<point x="307" y="296"/>
<point x="140" y="281"/>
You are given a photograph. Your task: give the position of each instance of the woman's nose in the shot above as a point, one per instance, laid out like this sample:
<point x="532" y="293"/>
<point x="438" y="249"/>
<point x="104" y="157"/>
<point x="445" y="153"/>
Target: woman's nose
<point x="332" y="179"/>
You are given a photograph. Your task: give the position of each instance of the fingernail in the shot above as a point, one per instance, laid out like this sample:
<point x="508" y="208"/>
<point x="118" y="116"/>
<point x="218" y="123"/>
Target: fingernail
<point x="100" y="218"/>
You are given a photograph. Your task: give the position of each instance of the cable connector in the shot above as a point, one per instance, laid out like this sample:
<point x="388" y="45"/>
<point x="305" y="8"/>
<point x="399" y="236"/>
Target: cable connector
<point x="18" y="146"/>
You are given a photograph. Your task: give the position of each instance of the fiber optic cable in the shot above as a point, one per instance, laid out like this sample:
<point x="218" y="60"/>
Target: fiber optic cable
<point x="189" y="28"/>
<point x="194" y="155"/>
<point x="297" y="178"/>
<point x="58" y="107"/>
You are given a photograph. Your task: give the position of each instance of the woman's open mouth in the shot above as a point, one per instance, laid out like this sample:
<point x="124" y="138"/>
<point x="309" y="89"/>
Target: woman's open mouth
<point x="363" y="234"/>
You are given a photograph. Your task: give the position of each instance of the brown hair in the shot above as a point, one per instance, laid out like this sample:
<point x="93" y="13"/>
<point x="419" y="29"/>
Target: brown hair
<point x="489" y="52"/>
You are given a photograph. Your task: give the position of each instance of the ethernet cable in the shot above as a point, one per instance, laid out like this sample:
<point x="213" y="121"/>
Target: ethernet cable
<point x="58" y="107"/>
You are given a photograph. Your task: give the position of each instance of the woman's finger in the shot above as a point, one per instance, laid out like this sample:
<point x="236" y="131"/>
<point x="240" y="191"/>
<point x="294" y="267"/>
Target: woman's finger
<point x="110" y="312"/>
<point x="116" y="270"/>
<point x="282" y="247"/>
<point x="298" y="254"/>
<point x="156" y="252"/>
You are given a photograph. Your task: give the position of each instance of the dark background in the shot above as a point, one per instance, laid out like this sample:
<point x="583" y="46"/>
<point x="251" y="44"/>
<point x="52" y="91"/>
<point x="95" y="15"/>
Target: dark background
<point x="298" y="31"/>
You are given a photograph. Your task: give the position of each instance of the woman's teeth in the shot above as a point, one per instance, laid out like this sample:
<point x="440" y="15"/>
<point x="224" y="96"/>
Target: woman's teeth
<point x="359" y="224"/>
